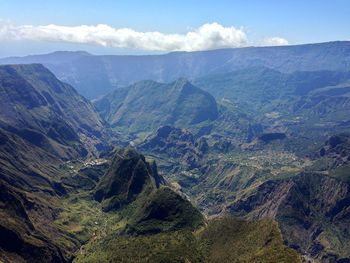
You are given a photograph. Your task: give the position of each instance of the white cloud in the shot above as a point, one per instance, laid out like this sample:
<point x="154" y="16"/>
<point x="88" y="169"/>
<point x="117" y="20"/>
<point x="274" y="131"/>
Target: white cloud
<point x="275" y="41"/>
<point x="207" y="36"/>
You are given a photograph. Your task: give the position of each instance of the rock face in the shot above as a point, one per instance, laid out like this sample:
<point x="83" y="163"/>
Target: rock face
<point x="312" y="211"/>
<point x="176" y="143"/>
<point x="148" y="105"/>
<point x="167" y="137"/>
<point x="337" y="149"/>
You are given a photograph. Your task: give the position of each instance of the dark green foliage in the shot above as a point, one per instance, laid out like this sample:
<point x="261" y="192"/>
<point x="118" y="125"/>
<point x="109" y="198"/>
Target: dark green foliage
<point x="233" y="240"/>
<point x="222" y="240"/>
<point x="86" y="178"/>
<point x="174" y="247"/>
<point x="20" y="238"/>
<point x="164" y="211"/>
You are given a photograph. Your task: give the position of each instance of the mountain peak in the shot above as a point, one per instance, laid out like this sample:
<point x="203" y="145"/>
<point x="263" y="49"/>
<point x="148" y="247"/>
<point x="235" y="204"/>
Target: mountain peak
<point x="129" y="177"/>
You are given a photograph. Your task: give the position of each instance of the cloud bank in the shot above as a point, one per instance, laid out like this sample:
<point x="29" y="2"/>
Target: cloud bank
<point x="207" y="36"/>
<point x="275" y="41"/>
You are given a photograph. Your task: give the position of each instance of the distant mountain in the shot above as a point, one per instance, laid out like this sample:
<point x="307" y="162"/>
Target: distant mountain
<point x="94" y="76"/>
<point x="304" y="104"/>
<point x="147" y="105"/>
<point x="336" y="151"/>
<point x="258" y="87"/>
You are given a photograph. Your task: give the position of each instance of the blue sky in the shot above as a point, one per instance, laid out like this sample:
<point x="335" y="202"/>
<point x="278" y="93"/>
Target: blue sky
<point x="296" y="21"/>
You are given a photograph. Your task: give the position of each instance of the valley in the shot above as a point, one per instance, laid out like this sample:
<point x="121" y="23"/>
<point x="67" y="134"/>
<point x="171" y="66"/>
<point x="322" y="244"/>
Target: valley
<point x="247" y="159"/>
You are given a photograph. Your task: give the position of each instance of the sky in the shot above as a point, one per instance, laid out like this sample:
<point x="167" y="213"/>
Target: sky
<point x="148" y="27"/>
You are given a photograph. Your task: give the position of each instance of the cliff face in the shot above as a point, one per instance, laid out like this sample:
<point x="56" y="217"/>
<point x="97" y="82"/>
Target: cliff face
<point x="312" y="211"/>
<point x="46" y="112"/>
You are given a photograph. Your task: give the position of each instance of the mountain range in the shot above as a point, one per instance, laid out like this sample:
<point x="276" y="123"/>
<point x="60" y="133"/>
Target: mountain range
<point x="234" y="155"/>
<point x="94" y="76"/>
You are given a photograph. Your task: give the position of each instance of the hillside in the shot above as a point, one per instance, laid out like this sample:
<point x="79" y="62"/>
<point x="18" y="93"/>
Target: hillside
<point x="242" y="242"/>
<point x="147" y="105"/>
<point x="302" y="106"/>
<point x="46" y="112"/>
<point x="318" y="228"/>
<point x="43" y="123"/>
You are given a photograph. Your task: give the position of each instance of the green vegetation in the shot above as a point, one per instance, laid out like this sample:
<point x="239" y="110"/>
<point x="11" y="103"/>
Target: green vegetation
<point x="178" y="103"/>
<point x="165" y="211"/>
<point x="241" y="242"/>
<point x="81" y="217"/>
<point x="272" y="146"/>
<point x="128" y="177"/>
<point x="245" y="241"/>
<point x="179" y="246"/>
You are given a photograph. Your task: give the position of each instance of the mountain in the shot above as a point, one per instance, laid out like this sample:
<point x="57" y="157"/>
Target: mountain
<point x="301" y="105"/>
<point x="307" y="196"/>
<point x="263" y="85"/>
<point x="46" y="112"/>
<point x="132" y="181"/>
<point x="250" y="163"/>
<point x="149" y="217"/>
<point x="58" y="200"/>
<point x="147" y="105"/>
<point x="94" y="76"/>
<point x="129" y="175"/>
<point x="43" y="124"/>
<point x="312" y="211"/>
